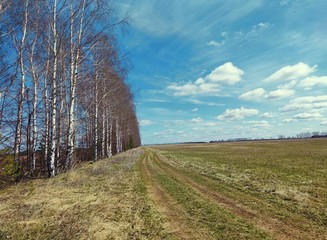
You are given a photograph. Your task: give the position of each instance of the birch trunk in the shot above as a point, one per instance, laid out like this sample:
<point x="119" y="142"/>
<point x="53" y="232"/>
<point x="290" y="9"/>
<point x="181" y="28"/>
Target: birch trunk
<point x="73" y="78"/>
<point x="34" y="112"/>
<point x="18" y="133"/>
<point x="96" y="120"/>
<point x="109" y="134"/>
<point x="117" y="137"/>
<point x="103" y="141"/>
<point x="53" y="145"/>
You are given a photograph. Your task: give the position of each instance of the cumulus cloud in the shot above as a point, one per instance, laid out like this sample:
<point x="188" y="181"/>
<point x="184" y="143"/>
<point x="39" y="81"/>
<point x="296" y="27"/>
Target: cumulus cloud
<point x="288" y="85"/>
<point x="263" y="25"/>
<point x="288" y="120"/>
<point x="280" y="93"/>
<point x="313" y="81"/>
<point x="267" y="115"/>
<point x="310" y="99"/>
<point x="309" y="102"/>
<point x="197" y="120"/>
<point x="145" y="122"/>
<point x="253" y="95"/>
<point x="290" y="73"/>
<point x="260" y="124"/>
<point x="224" y="74"/>
<point x="238" y="113"/>
<point x="176" y="122"/>
<point x="199" y="87"/>
<point x="307" y="116"/>
<point x="209" y="124"/>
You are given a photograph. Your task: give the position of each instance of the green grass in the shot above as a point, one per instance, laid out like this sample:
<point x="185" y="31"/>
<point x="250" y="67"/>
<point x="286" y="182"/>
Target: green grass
<point x="219" y="223"/>
<point x="284" y="180"/>
<point x="244" y="190"/>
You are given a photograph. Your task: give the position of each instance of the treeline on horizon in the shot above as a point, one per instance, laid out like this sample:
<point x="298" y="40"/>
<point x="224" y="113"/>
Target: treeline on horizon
<point x="303" y="135"/>
<point x="63" y="91"/>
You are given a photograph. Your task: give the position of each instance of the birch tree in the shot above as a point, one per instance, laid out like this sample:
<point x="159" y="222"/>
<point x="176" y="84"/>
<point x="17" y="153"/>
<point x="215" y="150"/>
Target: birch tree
<point x="53" y="144"/>
<point x="67" y="78"/>
<point x="20" y="46"/>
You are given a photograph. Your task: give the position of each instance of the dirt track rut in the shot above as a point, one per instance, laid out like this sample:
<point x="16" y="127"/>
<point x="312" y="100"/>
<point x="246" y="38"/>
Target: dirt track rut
<point x="153" y="163"/>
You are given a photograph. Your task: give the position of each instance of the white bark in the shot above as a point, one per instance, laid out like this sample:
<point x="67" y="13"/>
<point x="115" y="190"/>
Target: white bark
<point x="103" y="142"/>
<point x="35" y="97"/>
<point x="18" y="134"/>
<point x="73" y="79"/>
<point x="53" y="146"/>
<point x="118" y="137"/>
<point x="47" y="110"/>
<point x="109" y="134"/>
<point x="96" y="120"/>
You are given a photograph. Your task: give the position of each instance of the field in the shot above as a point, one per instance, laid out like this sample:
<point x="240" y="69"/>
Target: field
<point x="242" y="190"/>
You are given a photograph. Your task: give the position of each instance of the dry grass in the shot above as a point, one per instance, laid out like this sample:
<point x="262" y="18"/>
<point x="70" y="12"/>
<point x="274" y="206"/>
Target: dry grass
<point x="249" y="190"/>
<point x="104" y="200"/>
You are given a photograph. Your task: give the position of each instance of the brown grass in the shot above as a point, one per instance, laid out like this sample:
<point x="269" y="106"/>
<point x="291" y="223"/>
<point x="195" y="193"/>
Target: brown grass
<point x="96" y="201"/>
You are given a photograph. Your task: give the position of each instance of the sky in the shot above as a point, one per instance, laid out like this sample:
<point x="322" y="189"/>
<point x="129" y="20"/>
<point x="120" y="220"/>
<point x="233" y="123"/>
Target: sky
<point x="216" y="69"/>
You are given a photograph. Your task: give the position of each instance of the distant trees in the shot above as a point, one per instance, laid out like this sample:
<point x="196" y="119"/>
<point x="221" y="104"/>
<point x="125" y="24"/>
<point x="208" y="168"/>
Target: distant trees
<point x="63" y="95"/>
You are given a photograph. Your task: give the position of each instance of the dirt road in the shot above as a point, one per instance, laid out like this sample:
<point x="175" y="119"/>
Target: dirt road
<point x="195" y="208"/>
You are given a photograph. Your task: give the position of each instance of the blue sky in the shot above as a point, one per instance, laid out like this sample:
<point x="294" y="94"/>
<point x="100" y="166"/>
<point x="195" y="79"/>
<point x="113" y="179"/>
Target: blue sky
<point x="210" y="69"/>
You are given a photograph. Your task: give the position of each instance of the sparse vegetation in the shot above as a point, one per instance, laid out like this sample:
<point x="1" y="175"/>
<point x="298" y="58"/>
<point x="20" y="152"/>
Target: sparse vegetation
<point x="244" y="190"/>
<point x="104" y="200"/>
<point x="279" y="186"/>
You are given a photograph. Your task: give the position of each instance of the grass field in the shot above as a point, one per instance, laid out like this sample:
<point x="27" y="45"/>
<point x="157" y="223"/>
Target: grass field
<point x="243" y="190"/>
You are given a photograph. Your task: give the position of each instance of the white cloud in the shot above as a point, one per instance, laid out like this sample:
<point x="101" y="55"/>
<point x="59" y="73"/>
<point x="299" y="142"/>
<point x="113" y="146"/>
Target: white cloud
<point x="238" y="113"/>
<point x="215" y="43"/>
<point x="145" y="122"/>
<point x="199" y="81"/>
<point x="288" y="85"/>
<point x="263" y="25"/>
<point x="288" y="120"/>
<point x="253" y="95"/>
<point x="176" y="122"/>
<point x="309" y="102"/>
<point x="256" y="29"/>
<point x="194" y="88"/>
<point x="242" y="35"/>
<point x="289" y="73"/>
<point x="226" y="74"/>
<point x="280" y="93"/>
<point x="209" y="124"/>
<point x="261" y="124"/>
<point x="267" y="115"/>
<point x="307" y="116"/>
<point x="195" y="109"/>
<point x="197" y="120"/>
<point x="198" y="102"/>
<point x="313" y="81"/>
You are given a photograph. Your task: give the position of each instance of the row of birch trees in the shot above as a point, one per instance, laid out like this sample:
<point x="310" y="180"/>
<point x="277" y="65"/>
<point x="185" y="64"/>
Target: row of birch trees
<point x="63" y="94"/>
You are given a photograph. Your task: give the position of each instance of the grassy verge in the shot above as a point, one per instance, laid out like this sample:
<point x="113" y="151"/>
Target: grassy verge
<point x="104" y="200"/>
